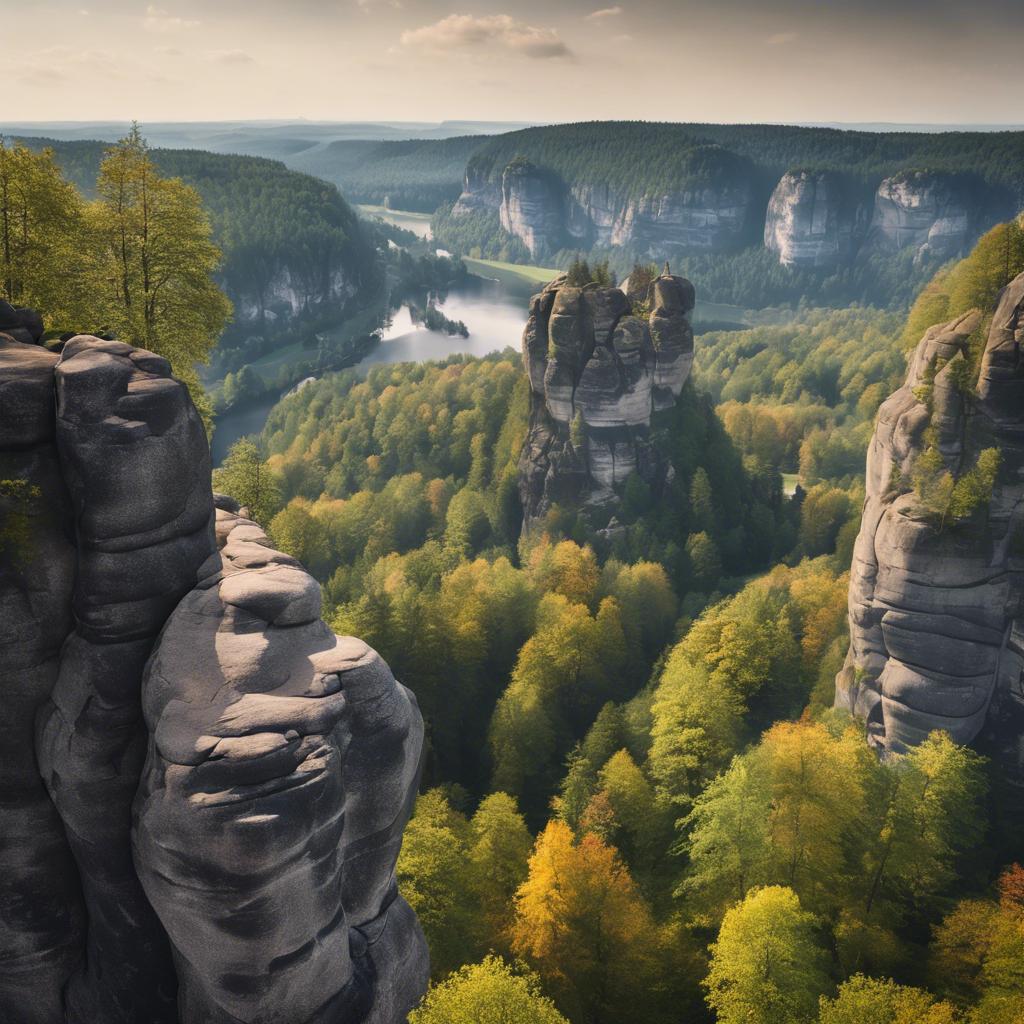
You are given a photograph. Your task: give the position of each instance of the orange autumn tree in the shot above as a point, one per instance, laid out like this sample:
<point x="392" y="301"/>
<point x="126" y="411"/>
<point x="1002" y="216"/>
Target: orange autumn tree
<point x="582" y="924"/>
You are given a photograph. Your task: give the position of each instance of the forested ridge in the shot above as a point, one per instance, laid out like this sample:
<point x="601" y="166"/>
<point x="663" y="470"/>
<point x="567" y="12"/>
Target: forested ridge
<point x="637" y="794"/>
<point x="409" y="175"/>
<point x="677" y="156"/>
<point x="265" y="217"/>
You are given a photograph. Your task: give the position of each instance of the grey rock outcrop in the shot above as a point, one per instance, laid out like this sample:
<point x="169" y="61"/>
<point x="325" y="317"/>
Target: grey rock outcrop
<point x="479" y="194"/>
<point x="929" y="211"/>
<point x="937" y="608"/>
<point x="106" y="524"/>
<point x="809" y="222"/>
<point x="282" y="765"/>
<point x="597" y="374"/>
<point x="531" y="208"/>
<point x="547" y="215"/>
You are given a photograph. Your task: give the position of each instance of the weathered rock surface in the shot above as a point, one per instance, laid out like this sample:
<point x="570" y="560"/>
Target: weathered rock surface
<point x="106" y="524"/>
<point x="597" y="373"/>
<point x="548" y="216"/>
<point x="281" y="770"/>
<point x="531" y="208"/>
<point x="929" y="211"/>
<point x="809" y="222"/>
<point x="937" y="609"/>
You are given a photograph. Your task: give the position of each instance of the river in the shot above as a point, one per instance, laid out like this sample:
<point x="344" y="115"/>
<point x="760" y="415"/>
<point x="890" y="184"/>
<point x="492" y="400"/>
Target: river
<point x="495" y="320"/>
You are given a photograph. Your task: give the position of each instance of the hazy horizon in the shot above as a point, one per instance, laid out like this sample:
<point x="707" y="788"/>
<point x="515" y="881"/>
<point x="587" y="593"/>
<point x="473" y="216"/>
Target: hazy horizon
<point x="736" y="61"/>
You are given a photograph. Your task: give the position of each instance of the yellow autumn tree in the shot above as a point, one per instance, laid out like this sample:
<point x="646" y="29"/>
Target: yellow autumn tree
<point x="584" y="927"/>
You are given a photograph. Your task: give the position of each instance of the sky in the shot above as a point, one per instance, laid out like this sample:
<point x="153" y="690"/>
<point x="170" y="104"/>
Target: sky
<point x="903" y="61"/>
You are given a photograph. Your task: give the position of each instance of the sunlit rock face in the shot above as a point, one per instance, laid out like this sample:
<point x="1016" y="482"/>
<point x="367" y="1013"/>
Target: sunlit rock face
<point x="281" y="769"/>
<point x="936" y="616"/>
<point x="597" y="374"/>
<point x="931" y="212"/>
<point x="809" y="222"/>
<point x="106" y="524"/>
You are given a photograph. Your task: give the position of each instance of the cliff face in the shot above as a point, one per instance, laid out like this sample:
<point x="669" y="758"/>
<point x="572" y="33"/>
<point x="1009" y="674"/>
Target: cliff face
<point x="186" y="747"/>
<point x="937" y="608"/>
<point x="597" y="373"/>
<point x="930" y="212"/>
<point x="287" y="291"/>
<point x="547" y="216"/>
<point x="531" y="209"/>
<point x="808" y="224"/>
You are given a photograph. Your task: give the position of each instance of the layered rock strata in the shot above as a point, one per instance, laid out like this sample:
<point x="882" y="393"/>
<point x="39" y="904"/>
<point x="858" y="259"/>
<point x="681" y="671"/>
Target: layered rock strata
<point x="531" y="209"/>
<point x="937" y="604"/>
<point x="598" y="371"/>
<point x="106" y="524"/>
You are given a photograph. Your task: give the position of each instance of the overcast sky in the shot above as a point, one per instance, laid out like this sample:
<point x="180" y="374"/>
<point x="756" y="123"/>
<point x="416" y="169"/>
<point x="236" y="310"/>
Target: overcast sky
<point x="531" y="60"/>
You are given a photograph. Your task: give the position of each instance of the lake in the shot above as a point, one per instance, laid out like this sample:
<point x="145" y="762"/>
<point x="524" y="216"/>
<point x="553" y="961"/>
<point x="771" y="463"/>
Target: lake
<point x="495" y="320"/>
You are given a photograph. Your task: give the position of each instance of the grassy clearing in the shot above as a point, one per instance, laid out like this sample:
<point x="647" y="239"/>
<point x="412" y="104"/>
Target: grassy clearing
<point x="789" y="482"/>
<point x="516" y="277"/>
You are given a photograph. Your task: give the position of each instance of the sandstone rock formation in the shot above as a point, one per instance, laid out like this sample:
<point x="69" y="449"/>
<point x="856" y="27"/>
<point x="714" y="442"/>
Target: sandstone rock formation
<point x="549" y="216"/>
<point x="531" y="208"/>
<point x="929" y="211"/>
<point x="937" y="608"/>
<point x="281" y="769"/>
<point x="106" y="524"/>
<point x="809" y="222"/>
<point x="597" y="373"/>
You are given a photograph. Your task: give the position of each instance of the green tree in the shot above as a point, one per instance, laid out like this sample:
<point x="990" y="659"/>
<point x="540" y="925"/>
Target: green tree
<point x="434" y="878"/>
<point x="864" y="1000"/>
<point x="767" y="966"/>
<point x="499" y="853"/>
<point x="45" y="251"/>
<point x="246" y="477"/>
<point x="490" y="992"/>
<point x="155" y="260"/>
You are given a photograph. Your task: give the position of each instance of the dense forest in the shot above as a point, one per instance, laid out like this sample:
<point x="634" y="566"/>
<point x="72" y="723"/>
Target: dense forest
<point x="638" y="799"/>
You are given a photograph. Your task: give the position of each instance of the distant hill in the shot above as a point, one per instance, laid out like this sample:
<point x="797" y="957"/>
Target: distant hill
<point x="290" y="240"/>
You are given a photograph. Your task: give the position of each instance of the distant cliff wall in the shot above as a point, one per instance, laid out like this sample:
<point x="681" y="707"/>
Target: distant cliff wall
<point x="813" y="218"/>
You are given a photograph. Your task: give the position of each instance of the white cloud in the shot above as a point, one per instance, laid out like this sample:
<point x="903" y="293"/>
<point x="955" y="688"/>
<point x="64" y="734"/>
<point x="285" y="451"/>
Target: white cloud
<point x="159" y="20"/>
<point x="231" y="57"/>
<point x="466" y="31"/>
<point x="605" y="12"/>
<point x="781" y="38"/>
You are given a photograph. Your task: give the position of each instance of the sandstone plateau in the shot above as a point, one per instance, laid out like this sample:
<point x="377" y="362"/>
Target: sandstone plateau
<point x="203" y="788"/>
<point x="937" y="609"/>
